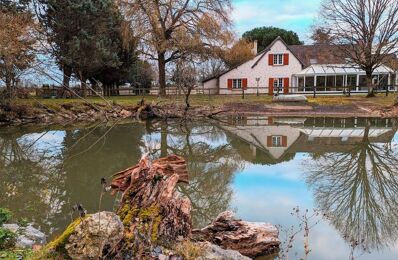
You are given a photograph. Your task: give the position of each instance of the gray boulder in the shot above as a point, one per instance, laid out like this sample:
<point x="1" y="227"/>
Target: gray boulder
<point x="27" y="236"/>
<point x="213" y="252"/>
<point x="93" y="234"/>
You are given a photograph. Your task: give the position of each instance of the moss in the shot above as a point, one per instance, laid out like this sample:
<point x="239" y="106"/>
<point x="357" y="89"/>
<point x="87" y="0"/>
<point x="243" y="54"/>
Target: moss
<point x="17" y="254"/>
<point x="151" y="215"/>
<point x="60" y="241"/>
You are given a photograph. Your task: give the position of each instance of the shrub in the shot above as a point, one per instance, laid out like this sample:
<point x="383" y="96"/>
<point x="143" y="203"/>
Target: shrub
<point x="7" y="238"/>
<point x="23" y="222"/>
<point x="5" y="215"/>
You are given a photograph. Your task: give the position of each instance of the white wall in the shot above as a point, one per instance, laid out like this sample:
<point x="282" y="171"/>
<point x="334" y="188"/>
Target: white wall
<point x="261" y="133"/>
<point x="262" y="70"/>
<point x="211" y="85"/>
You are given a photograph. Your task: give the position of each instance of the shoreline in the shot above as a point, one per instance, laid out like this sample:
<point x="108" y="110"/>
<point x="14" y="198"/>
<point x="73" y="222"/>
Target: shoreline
<point x="80" y="113"/>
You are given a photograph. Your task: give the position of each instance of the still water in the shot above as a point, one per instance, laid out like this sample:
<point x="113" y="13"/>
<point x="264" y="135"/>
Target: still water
<point x="346" y="170"/>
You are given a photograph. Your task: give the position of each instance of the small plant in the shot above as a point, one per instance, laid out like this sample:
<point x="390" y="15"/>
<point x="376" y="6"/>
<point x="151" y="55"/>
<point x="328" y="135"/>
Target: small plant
<point x="23" y="222"/>
<point x="5" y="215"/>
<point x="189" y="250"/>
<point x="7" y="238"/>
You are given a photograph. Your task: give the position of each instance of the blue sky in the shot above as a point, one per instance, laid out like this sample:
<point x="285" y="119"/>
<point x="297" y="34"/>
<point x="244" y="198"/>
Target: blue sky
<point x="296" y="15"/>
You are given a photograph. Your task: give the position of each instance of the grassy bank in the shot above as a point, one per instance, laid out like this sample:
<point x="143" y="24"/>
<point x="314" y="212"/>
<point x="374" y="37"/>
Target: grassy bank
<point x="217" y="100"/>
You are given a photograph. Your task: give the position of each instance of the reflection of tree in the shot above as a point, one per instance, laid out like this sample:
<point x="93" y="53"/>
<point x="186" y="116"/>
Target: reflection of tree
<point x="358" y="192"/>
<point x="31" y="184"/>
<point x="92" y="153"/>
<point x="211" y="166"/>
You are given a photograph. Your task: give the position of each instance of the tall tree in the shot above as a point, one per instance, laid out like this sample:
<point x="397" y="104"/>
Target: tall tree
<point x="17" y="39"/>
<point x="321" y="36"/>
<point x="171" y="29"/>
<point x="265" y="36"/>
<point x="85" y="35"/>
<point x="357" y="191"/>
<point x="365" y="30"/>
<point x="240" y="52"/>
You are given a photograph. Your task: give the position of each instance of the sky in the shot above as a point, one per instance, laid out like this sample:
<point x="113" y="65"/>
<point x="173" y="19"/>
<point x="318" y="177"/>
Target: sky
<point x="295" y="15"/>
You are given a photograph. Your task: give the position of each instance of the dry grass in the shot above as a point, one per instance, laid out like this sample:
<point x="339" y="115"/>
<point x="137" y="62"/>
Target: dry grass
<point x="379" y="100"/>
<point x="203" y="100"/>
<point x="189" y="250"/>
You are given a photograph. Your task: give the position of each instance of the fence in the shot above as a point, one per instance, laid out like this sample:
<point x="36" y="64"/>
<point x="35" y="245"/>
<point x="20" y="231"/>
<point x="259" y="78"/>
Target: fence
<point x="59" y="92"/>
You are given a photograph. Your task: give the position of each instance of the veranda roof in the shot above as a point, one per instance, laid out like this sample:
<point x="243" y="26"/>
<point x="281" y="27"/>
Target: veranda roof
<point x="336" y="69"/>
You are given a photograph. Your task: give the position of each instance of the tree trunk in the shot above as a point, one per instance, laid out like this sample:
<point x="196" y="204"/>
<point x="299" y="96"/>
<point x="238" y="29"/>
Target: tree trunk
<point x="67" y="72"/>
<point x="84" y="87"/>
<point x="162" y="73"/>
<point x="369" y="84"/>
<point x="163" y="139"/>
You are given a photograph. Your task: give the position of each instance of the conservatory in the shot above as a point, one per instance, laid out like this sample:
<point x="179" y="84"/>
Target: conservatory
<point x="340" y="78"/>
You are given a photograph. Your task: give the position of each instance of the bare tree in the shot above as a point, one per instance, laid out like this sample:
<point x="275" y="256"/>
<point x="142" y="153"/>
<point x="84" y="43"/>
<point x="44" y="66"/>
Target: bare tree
<point x="357" y="191"/>
<point x="366" y="31"/>
<point x="185" y="77"/>
<point x="171" y="29"/>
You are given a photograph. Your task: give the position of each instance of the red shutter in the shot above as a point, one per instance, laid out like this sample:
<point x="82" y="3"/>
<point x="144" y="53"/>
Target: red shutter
<point x="271" y="86"/>
<point x="271" y="59"/>
<point x="244" y="83"/>
<point x="286" y="85"/>
<point x="229" y="83"/>
<point x="269" y="141"/>
<point x="286" y="59"/>
<point x="284" y="141"/>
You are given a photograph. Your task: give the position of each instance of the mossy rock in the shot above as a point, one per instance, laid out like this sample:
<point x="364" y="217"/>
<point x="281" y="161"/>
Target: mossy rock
<point x="59" y="242"/>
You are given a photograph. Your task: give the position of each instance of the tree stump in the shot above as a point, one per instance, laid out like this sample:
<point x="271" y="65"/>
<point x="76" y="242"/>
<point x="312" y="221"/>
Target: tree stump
<point x="152" y="211"/>
<point x="249" y="238"/>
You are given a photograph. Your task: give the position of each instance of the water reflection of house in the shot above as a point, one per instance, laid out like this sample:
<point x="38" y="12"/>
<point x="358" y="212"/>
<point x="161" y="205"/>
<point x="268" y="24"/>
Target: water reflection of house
<point x="271" y="140"/>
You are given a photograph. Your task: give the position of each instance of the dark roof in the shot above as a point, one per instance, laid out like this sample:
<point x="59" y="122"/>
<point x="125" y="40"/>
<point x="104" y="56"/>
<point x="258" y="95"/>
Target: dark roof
<point x="321" y="53"/>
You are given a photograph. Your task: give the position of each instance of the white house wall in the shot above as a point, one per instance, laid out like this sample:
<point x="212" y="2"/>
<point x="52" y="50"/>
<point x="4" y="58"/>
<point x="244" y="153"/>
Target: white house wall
<point x="257" y="135"/>
<point x="212" y="86"/>
<point x="262" y="70"/>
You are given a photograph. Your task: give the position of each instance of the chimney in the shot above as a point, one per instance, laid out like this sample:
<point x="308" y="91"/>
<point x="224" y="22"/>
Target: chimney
<point x="255" y="45"/>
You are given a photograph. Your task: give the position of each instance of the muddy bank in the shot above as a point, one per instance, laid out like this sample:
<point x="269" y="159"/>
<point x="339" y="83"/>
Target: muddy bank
<point x="72" y="113"/>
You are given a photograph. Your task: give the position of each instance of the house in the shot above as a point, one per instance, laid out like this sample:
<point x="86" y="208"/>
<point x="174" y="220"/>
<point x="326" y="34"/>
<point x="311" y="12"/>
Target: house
<point x="283" y="68"/>
<point x="268" y="140"/>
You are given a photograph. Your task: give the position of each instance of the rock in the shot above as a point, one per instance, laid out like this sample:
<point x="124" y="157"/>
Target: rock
<point x="162" y="257"/>
<point x="12" y="227"/>
<point x="250" y="239"/>
<point x="214" y="252"/>
<point x="28" y="237"/>
<point x="124" y="113"/>
<point x="95" y="233"/>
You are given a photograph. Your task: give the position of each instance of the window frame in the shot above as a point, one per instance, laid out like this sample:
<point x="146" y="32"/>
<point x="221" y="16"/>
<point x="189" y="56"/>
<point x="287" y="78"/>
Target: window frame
<point x="237" y="83"/>
<point x="277" y="141"/>
<point x="278" y="59"/>
<point x="278" y="83"/>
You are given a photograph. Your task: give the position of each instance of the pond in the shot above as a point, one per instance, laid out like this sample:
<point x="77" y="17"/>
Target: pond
<point x="343" y="171"/>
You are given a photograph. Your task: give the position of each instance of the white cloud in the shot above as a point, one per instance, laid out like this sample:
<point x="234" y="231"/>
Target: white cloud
<point x="288" y="14"/>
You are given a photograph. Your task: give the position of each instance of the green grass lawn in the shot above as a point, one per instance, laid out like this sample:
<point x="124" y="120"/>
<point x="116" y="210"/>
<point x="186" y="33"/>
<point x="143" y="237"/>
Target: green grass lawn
<point x="201" y="100"/>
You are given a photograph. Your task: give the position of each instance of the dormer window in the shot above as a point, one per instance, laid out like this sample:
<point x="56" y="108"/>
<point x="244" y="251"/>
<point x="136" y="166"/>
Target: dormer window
<point x="278" y="59"/>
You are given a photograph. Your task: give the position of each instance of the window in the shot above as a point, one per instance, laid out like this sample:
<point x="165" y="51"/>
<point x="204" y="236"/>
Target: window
<point x="237" y="83"/>
<point x="278" y="84"/>
<point x="278" y="59"/>
<point x="276" y="141"/>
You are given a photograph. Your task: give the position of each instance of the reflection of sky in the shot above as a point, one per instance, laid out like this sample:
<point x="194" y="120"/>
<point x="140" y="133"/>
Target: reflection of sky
<point x="269" y="194"/>
<point x="50" y="142"/>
